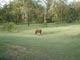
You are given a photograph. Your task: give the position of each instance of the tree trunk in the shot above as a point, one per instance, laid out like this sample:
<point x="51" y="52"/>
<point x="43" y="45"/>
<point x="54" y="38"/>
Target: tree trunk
<point x="28" y="19"/>
<point x="45" y="17"/>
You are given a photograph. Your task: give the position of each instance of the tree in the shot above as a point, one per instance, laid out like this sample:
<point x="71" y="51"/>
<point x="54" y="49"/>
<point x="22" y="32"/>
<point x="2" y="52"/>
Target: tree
<point x="29" y="10"/>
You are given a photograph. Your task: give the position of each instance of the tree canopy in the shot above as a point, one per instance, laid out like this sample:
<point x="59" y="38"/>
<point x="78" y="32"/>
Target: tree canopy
<point x="40" y="11"/>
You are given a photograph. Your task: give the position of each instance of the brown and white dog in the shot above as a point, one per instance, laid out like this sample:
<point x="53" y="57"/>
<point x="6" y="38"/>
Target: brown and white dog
<point x="38" y="31"/>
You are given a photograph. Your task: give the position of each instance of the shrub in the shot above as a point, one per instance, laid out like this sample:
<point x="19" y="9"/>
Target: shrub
<point x="9" y="26"/>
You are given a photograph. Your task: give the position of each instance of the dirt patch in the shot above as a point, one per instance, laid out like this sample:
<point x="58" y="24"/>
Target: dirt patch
<point x="15" y="50"/>
<point x="35" y="53"/>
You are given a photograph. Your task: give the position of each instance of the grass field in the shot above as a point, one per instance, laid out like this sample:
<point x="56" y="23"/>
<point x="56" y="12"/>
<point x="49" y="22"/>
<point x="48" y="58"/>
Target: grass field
<point x="57" y="42"/>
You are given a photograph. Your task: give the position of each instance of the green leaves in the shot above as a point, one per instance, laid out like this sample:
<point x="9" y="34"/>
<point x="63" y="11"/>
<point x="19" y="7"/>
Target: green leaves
<point x="9" y="26"/>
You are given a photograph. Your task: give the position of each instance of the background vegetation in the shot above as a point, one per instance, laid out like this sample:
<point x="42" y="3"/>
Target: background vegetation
<point x="37" y="11"/>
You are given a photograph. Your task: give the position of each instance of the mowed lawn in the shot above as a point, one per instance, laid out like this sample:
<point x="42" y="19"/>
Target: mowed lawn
<point x="57" y="42"/>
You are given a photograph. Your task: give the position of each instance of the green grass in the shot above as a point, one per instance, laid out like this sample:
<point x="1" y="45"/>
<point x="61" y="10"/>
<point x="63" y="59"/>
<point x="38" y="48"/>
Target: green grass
<point x="57" y="42"/>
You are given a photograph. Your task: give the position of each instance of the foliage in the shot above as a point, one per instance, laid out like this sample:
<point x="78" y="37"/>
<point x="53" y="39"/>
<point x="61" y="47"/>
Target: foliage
<point x="32" y="11"/>
<point x="9" y="26"/>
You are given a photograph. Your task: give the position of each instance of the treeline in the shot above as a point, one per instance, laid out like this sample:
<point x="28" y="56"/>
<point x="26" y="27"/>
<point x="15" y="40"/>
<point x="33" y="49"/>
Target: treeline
<point x="37" y="11"/>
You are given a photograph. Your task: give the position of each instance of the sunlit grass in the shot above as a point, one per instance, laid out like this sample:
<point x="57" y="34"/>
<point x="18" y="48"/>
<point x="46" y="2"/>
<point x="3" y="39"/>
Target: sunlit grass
<point x="55" y="43"/>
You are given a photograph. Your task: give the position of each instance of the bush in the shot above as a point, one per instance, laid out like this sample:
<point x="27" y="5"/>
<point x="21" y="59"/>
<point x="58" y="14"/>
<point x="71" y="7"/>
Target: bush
<point x="9" y="26"/>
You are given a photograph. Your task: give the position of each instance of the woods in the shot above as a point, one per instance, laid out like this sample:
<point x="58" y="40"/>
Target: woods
<point x="37" y="11"/>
